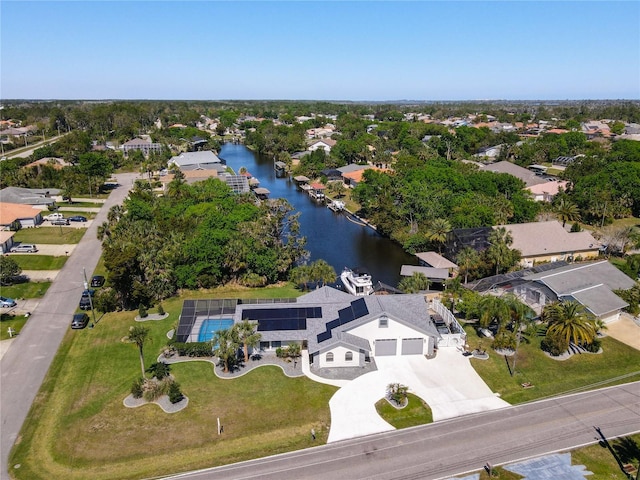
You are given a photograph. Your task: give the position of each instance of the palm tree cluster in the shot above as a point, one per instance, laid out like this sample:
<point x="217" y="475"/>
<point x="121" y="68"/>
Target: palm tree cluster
<point x="228" y="342"/>
<point x="507" y="315"/>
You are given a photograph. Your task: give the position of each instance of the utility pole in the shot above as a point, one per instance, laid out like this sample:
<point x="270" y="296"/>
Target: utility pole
<point x="86" y="287"/>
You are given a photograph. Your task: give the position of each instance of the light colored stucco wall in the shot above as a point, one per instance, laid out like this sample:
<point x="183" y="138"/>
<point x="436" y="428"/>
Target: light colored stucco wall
<point x="371" y="331"/>
<point x="339" y="358"/>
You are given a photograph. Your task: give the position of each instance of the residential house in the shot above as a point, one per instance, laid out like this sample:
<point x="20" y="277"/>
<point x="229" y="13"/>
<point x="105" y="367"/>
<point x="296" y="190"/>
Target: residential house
<point x="6" y="241"/>
<point x="204" y="160"/>
<point x="549" y="242"/>
<point x="144" y="145"/>
<point x="489" y="153"/>
<point x="337" y="329"/>
<point x="527" y="176"/>
<point x="325" y="144"/>
<point x="30" y="196"/>
<point x="590" y="284"/>
<point x="53" y="162"/>
<point x="435" y="260"/>
<point x="14" y="216"/>
<point x="545" y="192"/>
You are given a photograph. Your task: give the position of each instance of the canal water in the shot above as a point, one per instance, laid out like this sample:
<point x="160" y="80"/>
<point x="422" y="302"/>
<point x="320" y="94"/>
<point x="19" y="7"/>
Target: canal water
<point x="330" y="236"/>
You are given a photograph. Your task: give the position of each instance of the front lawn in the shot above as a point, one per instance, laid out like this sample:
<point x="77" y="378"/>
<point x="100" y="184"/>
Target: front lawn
<point x="15" y="322"/>
<point x="549" y="377"/>
<point x="26" y="290"/>
<point x="78" y="427"/>
<point x="39" y="262"/>
<point x="53" y="236"/>
<point x="417" y="412"/>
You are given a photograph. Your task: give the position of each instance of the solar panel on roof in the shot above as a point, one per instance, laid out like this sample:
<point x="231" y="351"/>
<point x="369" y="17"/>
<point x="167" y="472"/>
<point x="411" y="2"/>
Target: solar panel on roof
<point x="359" y="308"/>
<point x="324" y="336"/>
<point x="273" y="319"/>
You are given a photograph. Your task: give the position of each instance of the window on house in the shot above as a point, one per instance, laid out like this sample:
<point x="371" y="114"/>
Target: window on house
<point x="348" y="356"/>
<point x="330" y="357"/>
<point x="383" y="321"/>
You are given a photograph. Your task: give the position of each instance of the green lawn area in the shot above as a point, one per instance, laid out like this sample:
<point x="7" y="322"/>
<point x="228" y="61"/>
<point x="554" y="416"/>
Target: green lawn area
<point x="415" y="413"/>
<point x="78" y="427"/>
<point x="25" y="290"/>
<point x="15" y="322"/>
<point x="39" y="262"/>
<point x="50" y="235"/>
<point x="71" y="213"/>
<point x="551" y="377"/>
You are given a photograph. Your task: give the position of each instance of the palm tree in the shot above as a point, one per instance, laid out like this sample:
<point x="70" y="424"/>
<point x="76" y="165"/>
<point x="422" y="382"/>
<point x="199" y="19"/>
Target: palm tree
<point x="226" y="346"/>
<point x="437" y="231"/>
<point x="415" y="283"/>
<point x="499" y="252"/>
<point x="138" y="335"/>
<point x="520" y="314"/>
<point x="467" y="259"/>
<point x="322" y="272"/>
<point x="570" y="321"/>
<point x="493" y="310"/>
<point x="567" y="211"/>
<point x="247" y="336"/>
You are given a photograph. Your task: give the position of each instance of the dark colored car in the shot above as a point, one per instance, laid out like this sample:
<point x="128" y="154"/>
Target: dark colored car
<point x="77" y="218"/>
<point x="80" y="320"/>
<point x="60" y="221"/>
<point x="85" y="300"/>
<point x="97" y="281"/>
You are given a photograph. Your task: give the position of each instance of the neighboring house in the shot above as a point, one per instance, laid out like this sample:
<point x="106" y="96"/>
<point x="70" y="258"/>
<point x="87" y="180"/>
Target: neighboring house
<point x="204" y="160"/>
<point x="527" y="176"/>
<point x="6" y="241"/>
<point x="549" y="242"/>
<point x="325" y="144"/>
<point x="144" y="145"/>
<point x="488" y="153"/>
<point x="352" y="174"/>
<point x="590" y="284"/>
<point x="545" y="192"/>
<point x="435" y="260"/>
<point x="433" y="274"/>
<point x="29" y="196"/>
<point x="14" y="216"/>
<point x="338" y="329"/>
<point x="476" y="238"/>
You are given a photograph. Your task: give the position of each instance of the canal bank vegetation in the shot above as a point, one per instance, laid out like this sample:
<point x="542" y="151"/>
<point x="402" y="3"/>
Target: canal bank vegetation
<point x="196" y="236"/>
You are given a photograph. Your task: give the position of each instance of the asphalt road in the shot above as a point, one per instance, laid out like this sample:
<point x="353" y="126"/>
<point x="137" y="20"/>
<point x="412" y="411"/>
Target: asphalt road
<point x="456" y="446"/>
<point x="24" y="366"/>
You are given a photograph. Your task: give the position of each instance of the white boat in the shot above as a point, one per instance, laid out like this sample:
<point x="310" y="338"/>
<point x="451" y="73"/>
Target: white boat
<point x="336" y="206"/>
<point x="357" y="282"/>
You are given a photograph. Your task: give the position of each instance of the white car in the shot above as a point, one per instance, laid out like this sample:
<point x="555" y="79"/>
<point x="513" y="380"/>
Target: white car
<point x="53" y="216"/>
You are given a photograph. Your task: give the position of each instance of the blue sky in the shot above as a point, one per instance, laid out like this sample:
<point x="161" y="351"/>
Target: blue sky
<point x="365" y="50"/>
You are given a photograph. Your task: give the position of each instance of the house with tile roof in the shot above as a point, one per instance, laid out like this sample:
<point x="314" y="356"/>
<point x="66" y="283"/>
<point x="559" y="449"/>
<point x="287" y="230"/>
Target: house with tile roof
<point x="545" y="192"/>
<point x="202" y="160"/>
<point x="14" y="216"/>
<point x="540" y="242"/>
<point x="338" y="329"/>
<point x="6" y="241"/>
<point x="325" y="144"/>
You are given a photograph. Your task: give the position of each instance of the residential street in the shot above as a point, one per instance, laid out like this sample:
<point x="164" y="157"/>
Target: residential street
<point x="24" y="366"/>
<point x="451" y="447"/>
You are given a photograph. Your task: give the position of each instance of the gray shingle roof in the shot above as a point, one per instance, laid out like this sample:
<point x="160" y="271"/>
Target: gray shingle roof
<point x="29" y="196"/>
<point x="527" y="176"/>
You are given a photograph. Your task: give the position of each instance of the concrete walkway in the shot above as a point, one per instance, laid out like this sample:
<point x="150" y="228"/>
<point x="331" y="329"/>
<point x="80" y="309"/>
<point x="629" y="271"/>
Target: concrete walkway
<point x="306" y="369"/>
<point x="447" y="383"/>
<point x="625" y="330"/>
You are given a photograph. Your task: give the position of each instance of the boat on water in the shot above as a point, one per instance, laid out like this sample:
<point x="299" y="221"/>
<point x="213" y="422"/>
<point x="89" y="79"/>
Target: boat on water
<point x="357" y="281"/>
<point x="336" y="206"/>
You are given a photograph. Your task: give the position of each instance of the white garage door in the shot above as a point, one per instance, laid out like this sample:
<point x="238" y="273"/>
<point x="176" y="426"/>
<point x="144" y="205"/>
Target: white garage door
<point x="386" y="346"/>
<point x="412" y="346"/>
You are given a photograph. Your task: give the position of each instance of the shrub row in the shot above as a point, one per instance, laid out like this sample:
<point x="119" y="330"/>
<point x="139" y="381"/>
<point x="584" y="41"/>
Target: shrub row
<point x="193" y="349"/>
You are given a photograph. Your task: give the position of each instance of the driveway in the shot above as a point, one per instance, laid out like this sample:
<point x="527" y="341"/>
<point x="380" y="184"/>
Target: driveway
<point x="625" y="330"/>
<point x="447" y="383"/>
<point x="54" y="250"/>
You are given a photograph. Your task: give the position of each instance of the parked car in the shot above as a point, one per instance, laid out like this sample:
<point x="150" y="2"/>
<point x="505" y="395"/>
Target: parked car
<point x="60" y="221"/>
<point x="85" y="300"/>
<point x="53" y="216"/>
<point x="97" y="281"/>
<point x="24" y="247"/>
<point x="80" y="320"/>
<point x="77" y="218"/>
<point x="7" y="302"/>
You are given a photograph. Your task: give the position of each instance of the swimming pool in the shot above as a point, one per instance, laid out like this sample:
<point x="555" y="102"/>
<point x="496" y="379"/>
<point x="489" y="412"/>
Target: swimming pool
<point x="212" y="325"/>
